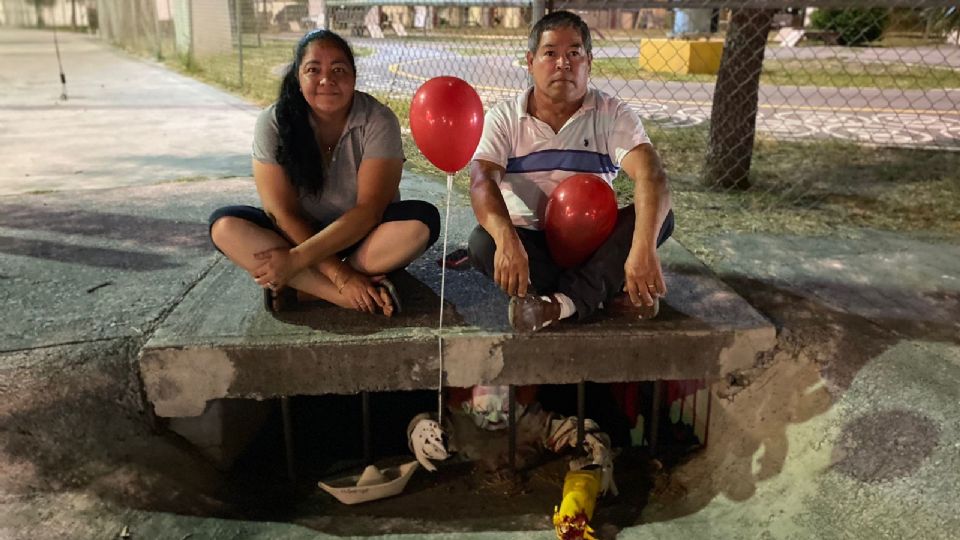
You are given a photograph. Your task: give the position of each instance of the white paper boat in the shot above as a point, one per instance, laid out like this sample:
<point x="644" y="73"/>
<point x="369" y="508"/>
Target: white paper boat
<point x="372" y="484"/>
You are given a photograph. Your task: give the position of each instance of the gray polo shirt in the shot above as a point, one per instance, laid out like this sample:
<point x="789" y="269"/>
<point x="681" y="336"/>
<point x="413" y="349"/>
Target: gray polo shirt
<point x="372" y="131"/>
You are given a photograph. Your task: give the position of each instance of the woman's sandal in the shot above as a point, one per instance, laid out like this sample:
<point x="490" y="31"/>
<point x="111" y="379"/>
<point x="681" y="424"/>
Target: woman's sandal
<point x="392" y="291"/>
<point x="279" y="301"/>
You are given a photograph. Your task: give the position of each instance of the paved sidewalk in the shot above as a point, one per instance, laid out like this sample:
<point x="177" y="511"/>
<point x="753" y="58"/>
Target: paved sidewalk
<point x="849" y="431"/>
<point x="126" y="121"/>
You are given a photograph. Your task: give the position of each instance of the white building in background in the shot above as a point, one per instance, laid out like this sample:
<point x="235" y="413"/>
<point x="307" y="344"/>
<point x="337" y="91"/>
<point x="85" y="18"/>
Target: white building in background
<point x="495" y="13"/>
<point x="465" y="14"/>
<point x="62" y="13"/>
<point x="296" y="16"/>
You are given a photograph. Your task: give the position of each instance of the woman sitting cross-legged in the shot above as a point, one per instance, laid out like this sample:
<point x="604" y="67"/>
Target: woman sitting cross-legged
<point x="327" y="161"/>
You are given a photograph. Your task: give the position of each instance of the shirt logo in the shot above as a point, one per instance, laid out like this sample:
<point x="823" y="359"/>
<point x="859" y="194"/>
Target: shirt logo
<point x="586" y="143"/>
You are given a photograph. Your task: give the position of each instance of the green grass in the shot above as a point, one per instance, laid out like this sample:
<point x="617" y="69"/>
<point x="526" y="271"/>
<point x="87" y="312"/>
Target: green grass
<point x="815" y="72"/>
<point x="838" y="73"/>
<point x="628" y="68"/>
<point x="906" y="39"/>
<point x="815" y="187"/>
<point x="613" y="37"/>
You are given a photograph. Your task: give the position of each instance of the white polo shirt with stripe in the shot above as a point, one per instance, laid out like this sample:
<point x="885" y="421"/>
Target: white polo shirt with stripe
<point x="594" y="140"/>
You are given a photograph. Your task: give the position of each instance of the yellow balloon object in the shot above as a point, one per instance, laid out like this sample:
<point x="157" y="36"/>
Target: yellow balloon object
<point x="571" y="518"/>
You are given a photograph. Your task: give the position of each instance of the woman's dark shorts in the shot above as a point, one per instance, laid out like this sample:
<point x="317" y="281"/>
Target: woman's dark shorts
<point x="421" y="211"/>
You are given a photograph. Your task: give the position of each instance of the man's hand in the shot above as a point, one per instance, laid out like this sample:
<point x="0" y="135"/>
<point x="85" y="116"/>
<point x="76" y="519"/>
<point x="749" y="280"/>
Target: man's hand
<point x="278" y="266"/>
<point x="511" y="268"/>
<point x="643" y="276"/>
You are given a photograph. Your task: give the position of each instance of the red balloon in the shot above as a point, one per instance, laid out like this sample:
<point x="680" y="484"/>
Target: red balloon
<point x="446" y="118"/>
<point x="581" y="213"/>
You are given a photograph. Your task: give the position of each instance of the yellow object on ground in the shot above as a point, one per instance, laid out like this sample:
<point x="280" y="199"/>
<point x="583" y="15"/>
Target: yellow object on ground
<point x="680" y="55"/>
<point x="571" y="519"/>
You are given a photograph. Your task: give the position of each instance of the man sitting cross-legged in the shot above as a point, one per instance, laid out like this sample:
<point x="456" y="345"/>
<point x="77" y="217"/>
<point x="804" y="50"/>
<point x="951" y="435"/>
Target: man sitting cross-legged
<point x="555" y="129"/>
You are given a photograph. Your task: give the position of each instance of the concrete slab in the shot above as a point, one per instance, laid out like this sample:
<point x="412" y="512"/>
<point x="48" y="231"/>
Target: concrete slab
<point x="906" y="284"/>
<point x="220" y="343"/>
<point x="103" y="264"/>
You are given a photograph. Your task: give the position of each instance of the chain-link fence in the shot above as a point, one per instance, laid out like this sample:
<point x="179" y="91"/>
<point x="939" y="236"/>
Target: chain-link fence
<point x="768" y="104"/>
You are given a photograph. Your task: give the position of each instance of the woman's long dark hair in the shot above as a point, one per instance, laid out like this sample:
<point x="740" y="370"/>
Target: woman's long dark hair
<point x="298" y="152"/>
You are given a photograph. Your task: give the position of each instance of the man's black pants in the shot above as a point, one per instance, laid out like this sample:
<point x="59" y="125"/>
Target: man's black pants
<point x="595" y="281"/>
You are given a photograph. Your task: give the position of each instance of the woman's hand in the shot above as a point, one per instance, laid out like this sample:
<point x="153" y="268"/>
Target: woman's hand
<point x="279" y="266"/>
<point x="362" y="292"/>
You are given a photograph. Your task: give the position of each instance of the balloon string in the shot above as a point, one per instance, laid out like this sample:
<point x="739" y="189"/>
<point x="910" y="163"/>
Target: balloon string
<point x="443" y="283"/>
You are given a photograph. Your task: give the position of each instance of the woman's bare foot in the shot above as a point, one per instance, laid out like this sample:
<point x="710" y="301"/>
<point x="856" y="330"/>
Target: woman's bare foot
<point x="387" y="301"/>
<point x="388" y="308"/>
<point x="385" y="298"/>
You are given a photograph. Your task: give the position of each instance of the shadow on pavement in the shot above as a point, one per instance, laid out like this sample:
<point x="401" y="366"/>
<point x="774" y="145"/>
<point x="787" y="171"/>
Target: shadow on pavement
<point x="90" y="256"/>
<point x="418" y="301"/>
<point x="139" y="230"/>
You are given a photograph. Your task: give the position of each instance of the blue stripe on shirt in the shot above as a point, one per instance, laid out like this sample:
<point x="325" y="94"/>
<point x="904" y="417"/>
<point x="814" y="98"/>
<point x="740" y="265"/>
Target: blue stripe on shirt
<point x="562" y="160"/>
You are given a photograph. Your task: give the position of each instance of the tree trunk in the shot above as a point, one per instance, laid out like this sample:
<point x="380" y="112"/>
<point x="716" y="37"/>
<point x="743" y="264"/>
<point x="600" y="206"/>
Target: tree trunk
<point x="734" y="117"/>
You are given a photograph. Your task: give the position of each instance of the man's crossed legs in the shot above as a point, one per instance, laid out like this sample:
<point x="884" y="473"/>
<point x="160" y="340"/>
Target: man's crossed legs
<point x="595" y="283"/>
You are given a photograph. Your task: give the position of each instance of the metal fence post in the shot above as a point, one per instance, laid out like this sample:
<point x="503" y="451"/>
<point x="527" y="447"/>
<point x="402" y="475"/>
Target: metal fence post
<point x="537" y="11"/>
<point x="237" y="6"/>
<point x="156" y="29"/>
<point x="192" y="48"/>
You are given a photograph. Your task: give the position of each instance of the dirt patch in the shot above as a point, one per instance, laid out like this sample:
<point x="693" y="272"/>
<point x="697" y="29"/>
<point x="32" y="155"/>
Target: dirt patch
<point x="748" y="440"/>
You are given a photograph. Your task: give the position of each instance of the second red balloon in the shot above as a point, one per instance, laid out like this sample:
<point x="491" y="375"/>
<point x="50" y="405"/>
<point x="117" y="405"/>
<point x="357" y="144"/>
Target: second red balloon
<point x="581" y="213"/>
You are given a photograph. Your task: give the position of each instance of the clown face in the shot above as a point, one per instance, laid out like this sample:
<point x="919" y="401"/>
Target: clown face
<point x="489" y="407"/>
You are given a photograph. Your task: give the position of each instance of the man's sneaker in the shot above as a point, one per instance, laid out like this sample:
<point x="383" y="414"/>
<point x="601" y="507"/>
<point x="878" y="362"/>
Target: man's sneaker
<point x="531" y="313"/>
<point x="621" y="305"/>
